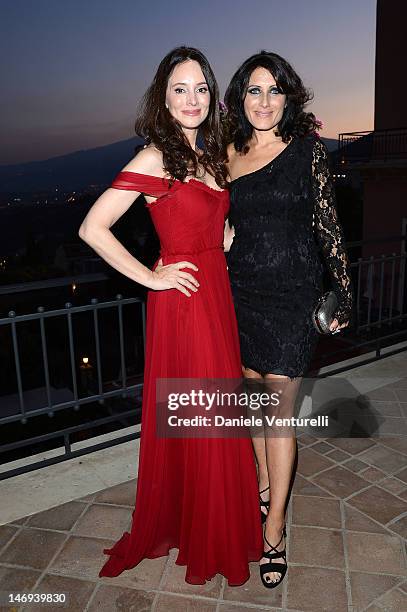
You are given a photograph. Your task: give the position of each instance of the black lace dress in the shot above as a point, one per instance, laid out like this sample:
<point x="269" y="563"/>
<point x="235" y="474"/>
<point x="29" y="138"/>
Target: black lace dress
<point x="284" y="218"/>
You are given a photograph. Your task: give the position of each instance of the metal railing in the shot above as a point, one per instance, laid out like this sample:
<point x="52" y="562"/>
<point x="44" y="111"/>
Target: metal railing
<point x="86" y="385"/>
<point x="380" y="298"/>
<point x="380" y="304"/>
<point x="380" y="284"/>
<point x="68" y="313"/>
<point x="370" y="146"/>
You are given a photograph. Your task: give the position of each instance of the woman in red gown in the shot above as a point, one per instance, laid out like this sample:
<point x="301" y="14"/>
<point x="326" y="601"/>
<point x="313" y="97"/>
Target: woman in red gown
<point x="198" y="495"/>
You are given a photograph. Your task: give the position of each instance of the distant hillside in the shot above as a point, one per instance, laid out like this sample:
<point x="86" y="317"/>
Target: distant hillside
<point x="74" y="171"/>
<point x="77" y="170"/>
<point x="331" y="143"/>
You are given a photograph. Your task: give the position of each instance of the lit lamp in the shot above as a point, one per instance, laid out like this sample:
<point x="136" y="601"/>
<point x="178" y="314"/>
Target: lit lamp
<point x="86" y="374"/>
<point x="85" y="361"/>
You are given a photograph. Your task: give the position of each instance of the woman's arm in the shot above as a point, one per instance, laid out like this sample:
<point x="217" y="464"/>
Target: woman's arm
<point x="228" y="235"/>
<point x="229" y="231"/>
<point x="329" y="232"/>
<point x="108" y="208"/>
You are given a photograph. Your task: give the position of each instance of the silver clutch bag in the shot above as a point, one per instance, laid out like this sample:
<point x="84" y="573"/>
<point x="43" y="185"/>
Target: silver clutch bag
<point x="324" y="311"/>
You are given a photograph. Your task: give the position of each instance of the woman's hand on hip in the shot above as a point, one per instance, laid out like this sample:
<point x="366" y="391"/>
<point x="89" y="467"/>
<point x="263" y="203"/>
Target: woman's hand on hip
<point x="171" y="276"/>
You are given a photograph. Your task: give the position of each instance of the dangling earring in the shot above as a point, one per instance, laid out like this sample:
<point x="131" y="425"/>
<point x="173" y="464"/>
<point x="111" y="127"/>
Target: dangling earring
<point x="166" y="105"/>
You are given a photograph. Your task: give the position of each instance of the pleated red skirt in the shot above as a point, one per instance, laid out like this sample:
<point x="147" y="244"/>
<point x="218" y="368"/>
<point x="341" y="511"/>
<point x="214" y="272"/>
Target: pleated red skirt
<point x="198" y="495"/>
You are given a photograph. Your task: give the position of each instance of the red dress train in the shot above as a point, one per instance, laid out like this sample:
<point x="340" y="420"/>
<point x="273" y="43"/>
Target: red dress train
<point x="199" y="495"/>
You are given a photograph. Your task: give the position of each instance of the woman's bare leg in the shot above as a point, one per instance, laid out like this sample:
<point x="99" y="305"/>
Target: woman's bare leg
<point x="259" y="444"/>
<point x="281" y="448"/>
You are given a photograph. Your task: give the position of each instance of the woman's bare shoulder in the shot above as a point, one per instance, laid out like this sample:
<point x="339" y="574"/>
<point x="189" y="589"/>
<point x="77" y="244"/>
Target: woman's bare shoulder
<point x="147" y="161"/>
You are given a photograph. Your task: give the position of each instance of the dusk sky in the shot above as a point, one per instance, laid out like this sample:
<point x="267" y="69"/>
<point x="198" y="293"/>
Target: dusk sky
<point x="73" y="71"/>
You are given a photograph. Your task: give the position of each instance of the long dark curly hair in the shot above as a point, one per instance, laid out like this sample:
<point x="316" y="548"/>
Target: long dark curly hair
<point x="294" y="122"/>
<point x="156" y="124"/>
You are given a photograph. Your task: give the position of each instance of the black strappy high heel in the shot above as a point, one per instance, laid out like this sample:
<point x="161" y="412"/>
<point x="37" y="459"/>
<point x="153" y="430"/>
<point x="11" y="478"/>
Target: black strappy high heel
<point x="280" y="568"/>
<point x="264" y="504"/>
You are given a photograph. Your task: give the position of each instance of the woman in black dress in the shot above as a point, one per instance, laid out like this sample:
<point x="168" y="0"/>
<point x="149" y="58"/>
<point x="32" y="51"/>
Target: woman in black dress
<point x="282" y="218"/>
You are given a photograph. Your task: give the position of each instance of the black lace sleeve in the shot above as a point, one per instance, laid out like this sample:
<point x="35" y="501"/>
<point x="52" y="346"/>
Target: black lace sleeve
<point x="328" y="231"/>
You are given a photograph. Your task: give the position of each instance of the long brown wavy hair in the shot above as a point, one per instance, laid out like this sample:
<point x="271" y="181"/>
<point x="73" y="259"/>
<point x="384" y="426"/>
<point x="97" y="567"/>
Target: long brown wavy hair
<point x="156" y="125"/>
<point x="295" y="122"/>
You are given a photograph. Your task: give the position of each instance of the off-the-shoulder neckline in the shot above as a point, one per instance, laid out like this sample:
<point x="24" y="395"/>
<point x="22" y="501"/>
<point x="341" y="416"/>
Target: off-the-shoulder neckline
<point x="163" y="178"/>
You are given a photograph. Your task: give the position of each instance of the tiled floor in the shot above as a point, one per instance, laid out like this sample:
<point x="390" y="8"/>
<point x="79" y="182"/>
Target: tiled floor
<point x="347" y="529"/>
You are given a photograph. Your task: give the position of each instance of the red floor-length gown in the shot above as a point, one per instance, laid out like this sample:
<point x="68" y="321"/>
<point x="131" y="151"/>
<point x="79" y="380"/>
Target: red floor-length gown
<point x="199" y="495"/>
